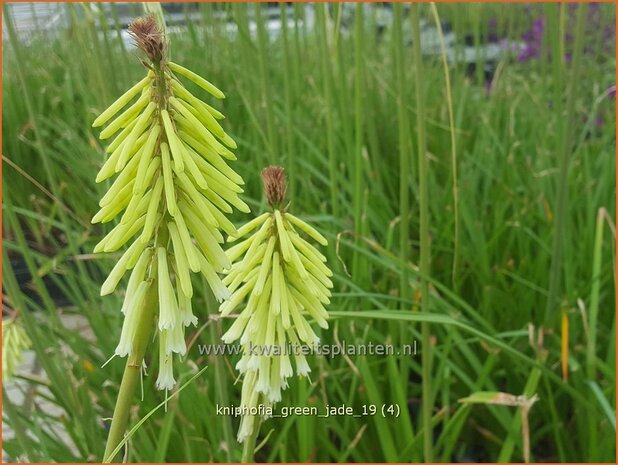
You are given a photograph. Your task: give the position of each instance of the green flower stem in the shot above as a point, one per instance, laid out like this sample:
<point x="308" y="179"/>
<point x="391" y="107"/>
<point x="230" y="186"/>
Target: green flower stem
<point x="423" y="172"/>
<point x="132" y="373"/>
<point x="248" y="449"/>
<point x="221" y="377"/>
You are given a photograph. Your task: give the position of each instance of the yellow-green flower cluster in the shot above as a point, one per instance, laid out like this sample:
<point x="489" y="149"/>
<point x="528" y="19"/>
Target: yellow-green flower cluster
<point x="14" y="342"/>
<point x="172" y="192"/>
<point x="284" y="280"/>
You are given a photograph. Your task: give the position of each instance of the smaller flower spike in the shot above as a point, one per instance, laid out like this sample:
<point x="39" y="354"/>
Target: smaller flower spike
<point x="172" y="192"/>
<point x="15" y="342"/>
<point x="283" y="281"/>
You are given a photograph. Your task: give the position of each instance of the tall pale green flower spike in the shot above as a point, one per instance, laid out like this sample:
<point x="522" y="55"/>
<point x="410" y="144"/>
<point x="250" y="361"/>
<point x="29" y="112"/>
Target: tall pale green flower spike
<point x="285" y="281"/>
<point x="172" y="192"/>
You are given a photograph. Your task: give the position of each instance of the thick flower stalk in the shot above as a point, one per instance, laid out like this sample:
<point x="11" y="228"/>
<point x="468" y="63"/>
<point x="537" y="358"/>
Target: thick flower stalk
<point x="172" y="192"/>
<point x="285" y="281"/>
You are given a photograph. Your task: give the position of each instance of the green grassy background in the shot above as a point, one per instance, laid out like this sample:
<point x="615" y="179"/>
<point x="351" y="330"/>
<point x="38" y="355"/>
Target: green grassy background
<point x="336" y="105"/>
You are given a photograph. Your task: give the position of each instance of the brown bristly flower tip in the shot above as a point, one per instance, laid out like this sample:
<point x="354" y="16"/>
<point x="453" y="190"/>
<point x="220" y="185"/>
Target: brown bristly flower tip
<point x="275" y="185"/>
<point x="148" y="37"/>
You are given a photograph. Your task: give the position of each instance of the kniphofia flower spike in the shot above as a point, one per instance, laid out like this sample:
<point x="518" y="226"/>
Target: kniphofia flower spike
<point x="285" y="281"/>
<point x="172" y="193"/>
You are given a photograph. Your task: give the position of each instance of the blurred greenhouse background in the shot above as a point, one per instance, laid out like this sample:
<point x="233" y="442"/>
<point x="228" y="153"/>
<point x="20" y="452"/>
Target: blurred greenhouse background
<point x="520" y="124"/>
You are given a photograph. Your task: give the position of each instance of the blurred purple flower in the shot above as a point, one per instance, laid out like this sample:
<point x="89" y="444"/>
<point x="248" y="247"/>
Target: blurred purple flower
<point x="533" y="39"/>
<point x="595" y="24"/>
